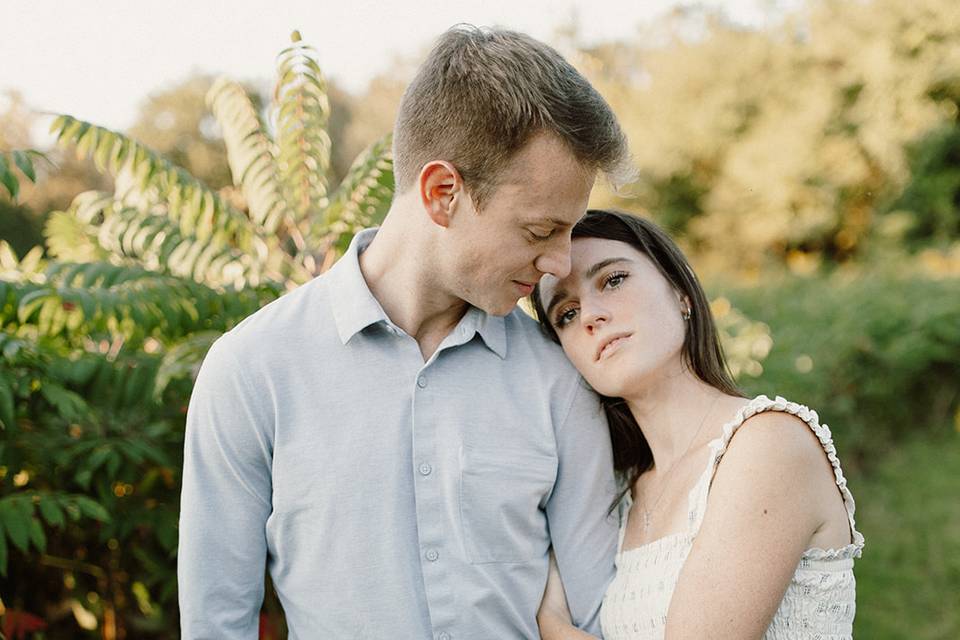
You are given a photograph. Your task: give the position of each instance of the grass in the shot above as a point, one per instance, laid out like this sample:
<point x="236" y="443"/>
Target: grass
<point x="908" y="509"/>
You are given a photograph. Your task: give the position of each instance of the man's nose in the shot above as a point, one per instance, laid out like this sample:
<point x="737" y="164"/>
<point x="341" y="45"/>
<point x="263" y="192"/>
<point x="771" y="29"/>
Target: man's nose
<point x="555" y="261"/>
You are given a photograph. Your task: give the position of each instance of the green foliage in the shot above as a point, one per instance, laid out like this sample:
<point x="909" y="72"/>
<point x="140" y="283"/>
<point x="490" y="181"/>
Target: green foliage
<point x="22" y="160"/>
<point x="19" y="226"/>
<point x="932" y="197"/>
<point x="149" y="181"/>
<point x="793" y="144"/>
<point x="250" y="152"/>
<point x="20" y="518"/>
<point x="363" y="197"/>
<point x="908" y="512"/>
<point x="302" y="113"/>
<point x="100" y="341"/>
<point x="878" y="356"/>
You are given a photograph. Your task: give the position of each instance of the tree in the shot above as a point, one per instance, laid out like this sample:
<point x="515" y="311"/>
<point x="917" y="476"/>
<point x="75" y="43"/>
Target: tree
<point x="780" y="144"/>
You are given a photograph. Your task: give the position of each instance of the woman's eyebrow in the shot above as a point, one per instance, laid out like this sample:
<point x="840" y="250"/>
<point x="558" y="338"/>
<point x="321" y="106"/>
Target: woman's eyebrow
<point x="560" y="294"/>
<point x="592" y="271"/>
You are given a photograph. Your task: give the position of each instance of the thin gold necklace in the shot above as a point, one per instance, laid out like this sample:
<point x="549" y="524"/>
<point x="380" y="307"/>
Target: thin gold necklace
<point x="666" y="476"/>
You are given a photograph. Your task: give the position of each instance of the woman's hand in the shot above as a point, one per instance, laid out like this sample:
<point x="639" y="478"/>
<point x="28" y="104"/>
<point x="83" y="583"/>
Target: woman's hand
<point x="554" y="614"/>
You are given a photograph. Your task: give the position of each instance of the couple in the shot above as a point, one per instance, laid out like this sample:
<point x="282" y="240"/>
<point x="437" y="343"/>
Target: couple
<point x="410" y="456"/>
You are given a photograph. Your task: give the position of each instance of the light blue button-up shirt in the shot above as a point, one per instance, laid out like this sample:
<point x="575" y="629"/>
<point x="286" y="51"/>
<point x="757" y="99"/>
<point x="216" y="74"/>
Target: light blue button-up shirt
<point x="389" y="497"/>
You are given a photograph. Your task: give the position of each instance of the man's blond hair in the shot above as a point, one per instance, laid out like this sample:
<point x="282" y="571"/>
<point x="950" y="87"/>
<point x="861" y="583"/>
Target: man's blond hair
<point x="483" y="93"/>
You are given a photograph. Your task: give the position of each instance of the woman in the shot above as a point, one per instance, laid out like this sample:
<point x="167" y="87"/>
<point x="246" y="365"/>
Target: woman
<point x="750" y="536"/>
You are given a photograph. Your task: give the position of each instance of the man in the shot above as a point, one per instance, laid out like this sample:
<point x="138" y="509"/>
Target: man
<point x="395" y="439"/>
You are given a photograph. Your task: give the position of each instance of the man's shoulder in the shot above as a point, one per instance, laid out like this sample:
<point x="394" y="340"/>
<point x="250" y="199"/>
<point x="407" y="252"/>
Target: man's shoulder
<point x="527" y="341"/>
<point x="288" y="319"/>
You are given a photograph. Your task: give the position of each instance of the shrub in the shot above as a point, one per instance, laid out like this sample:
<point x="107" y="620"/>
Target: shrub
<point x="877" y="356"/>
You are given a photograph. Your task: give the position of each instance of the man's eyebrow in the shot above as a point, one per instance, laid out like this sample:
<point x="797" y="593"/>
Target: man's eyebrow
<point x="560" y="294"/>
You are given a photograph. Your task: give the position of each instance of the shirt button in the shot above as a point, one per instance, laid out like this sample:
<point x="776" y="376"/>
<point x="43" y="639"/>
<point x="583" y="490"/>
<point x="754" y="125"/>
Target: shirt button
<point x="443" y="635"/>
<point x="422" y="382"/>
<point x="425" y="469"/>
<point x="432" y="555"/>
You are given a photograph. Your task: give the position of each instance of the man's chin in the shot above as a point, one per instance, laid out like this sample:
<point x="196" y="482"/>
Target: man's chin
<point x="500" y="308"/>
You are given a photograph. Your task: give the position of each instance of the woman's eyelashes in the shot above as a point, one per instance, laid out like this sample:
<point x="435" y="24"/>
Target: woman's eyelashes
<point x="567" y="314"/>
<point x="615" y="279"/>
<point x="564" y="317"/>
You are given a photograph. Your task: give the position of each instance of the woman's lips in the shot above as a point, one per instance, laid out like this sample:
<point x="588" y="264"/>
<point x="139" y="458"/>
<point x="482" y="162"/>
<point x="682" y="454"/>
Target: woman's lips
<point x="611" y="345"/>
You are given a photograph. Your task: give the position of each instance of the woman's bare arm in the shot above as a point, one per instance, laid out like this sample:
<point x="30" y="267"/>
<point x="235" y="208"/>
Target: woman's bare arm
<point x="554" y="615"/>
<point x="765" y="504"/>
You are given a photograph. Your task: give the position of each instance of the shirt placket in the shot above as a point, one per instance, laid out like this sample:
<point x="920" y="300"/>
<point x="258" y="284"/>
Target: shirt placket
<point x="435" y="552"/>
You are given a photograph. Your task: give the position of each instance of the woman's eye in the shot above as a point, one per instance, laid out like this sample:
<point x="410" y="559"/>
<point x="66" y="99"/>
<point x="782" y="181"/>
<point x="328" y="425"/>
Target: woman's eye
<point x="566" y="317"/>
<point x="614" y="280"/>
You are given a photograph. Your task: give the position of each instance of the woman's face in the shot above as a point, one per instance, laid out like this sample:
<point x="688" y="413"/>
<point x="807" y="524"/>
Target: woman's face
<point x="619" y="320"/>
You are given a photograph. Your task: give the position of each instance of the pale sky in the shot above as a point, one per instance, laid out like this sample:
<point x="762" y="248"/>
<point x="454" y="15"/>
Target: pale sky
<point x="98" y="60"/>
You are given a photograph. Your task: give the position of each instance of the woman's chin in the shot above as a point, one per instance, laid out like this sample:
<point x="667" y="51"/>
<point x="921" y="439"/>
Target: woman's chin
<point x="606" y="386"/>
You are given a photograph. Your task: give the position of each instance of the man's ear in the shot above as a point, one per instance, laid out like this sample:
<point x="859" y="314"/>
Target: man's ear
<point x="440" y="188"/>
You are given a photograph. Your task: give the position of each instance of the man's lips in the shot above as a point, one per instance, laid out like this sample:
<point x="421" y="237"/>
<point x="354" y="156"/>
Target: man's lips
<point x="525" y="287"/>
<point x="610" y="344"/>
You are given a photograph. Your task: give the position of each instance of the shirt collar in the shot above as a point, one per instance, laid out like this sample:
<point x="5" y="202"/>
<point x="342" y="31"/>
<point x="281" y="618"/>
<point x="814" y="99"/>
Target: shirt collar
<point x="355" y="308"/>
<point x="492" y="330"/>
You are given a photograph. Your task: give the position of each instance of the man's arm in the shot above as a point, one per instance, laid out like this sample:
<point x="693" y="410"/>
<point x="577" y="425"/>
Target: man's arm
<point x="584" y="537"/>
<point x="225" y="502"/>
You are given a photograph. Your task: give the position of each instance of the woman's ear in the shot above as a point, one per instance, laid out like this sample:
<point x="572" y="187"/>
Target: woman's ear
<point x="686" y="308"/>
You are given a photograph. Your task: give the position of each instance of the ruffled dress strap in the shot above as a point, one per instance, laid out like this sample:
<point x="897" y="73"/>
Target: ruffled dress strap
<point x="718" y="446"/>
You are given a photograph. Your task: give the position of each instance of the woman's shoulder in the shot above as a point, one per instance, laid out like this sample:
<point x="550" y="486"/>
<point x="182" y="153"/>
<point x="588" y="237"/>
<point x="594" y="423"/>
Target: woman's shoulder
<point x="778" y="432"/>
<point x="774" y="443"/>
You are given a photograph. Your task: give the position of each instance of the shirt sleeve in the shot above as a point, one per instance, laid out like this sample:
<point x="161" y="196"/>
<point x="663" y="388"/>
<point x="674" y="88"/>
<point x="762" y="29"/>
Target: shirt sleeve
<point x="584" y="536"/>
<point x="225" y="502"/>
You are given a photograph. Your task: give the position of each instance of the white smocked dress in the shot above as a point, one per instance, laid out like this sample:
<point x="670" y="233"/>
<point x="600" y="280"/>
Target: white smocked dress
<point x="819" y="602"/>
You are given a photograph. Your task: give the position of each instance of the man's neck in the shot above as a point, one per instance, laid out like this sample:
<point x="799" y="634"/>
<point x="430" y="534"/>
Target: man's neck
<point x="399" y="281"/>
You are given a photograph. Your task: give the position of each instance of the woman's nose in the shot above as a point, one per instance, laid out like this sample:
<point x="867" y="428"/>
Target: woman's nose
<point x="594" y="318"/>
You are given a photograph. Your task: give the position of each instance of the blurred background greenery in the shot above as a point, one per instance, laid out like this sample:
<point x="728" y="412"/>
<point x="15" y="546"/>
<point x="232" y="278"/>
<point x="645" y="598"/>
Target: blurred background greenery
<point x="810" y="168"/>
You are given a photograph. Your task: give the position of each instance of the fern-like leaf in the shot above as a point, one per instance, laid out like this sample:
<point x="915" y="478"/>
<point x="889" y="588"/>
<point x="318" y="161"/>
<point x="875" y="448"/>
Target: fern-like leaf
<point x="126" y="300"/>
<point x="198" y="210"/>
<point x="363" y="197"/>
<point x="249" y="152"/>
<point x="302" y="111"/>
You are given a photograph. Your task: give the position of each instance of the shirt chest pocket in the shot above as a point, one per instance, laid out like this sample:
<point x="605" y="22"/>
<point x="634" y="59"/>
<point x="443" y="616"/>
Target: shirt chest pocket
<point x="501" y="495"/>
